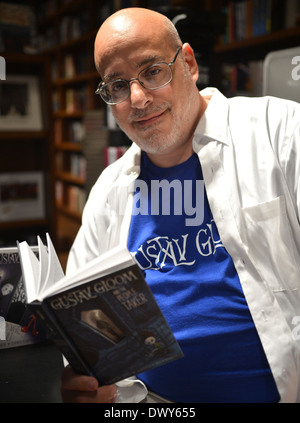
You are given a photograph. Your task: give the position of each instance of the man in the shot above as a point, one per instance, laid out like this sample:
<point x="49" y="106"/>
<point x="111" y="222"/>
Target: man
<point x="227" y="278"/>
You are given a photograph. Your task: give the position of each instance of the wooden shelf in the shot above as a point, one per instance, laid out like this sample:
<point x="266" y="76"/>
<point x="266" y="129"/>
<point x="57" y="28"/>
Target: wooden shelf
<point x="85" y="77"/>
<point x="22" y="135"/>
<point x="69" y="178"/>
<point x="63" y="114"/>
<point x="285" y="35"/>
<point x="71" y="44"/>
<point x="51" y="19"/>
<point x="69" y="146"/>
<point x="69" y="212"/>
<point x="5" y="225"/>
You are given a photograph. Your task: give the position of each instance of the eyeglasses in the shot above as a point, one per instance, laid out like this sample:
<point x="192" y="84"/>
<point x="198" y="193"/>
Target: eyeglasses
<point x="152" y="78"/>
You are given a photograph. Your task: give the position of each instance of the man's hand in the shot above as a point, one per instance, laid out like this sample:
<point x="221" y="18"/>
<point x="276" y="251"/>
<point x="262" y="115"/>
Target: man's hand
<point x="77" y="388"/>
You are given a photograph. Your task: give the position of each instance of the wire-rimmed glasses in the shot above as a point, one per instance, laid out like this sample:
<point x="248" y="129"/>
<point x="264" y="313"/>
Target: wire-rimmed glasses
<point x="152" y="78"/>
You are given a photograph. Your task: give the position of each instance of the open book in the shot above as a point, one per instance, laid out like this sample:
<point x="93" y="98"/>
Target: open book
<point x="103" y="317"/>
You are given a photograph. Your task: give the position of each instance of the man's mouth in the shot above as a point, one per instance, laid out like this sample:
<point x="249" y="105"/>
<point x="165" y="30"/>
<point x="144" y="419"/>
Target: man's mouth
<point x="148" y="120"/>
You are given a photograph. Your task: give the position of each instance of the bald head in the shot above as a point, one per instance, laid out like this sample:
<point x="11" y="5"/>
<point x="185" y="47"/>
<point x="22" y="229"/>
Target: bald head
<point x="132" y="25"/>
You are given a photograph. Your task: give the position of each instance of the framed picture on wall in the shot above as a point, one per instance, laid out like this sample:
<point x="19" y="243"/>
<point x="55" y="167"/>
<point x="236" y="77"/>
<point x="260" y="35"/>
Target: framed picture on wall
<point x="20" y="104"/>
<point x="21" y="196"/>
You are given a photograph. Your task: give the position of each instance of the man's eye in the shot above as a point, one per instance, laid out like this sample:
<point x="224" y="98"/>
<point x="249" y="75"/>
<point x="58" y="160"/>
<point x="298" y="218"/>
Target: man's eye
<point x="118" y="86"/>
<point x="152" y="72"/>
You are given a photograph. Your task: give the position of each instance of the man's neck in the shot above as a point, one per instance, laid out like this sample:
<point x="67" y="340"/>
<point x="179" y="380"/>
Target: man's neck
<point x="172" y="158"/>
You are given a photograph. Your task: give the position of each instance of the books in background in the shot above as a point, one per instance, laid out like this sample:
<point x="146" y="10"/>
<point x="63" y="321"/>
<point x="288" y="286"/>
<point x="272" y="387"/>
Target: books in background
<point x="56" y="106"/>
<point x="252" y="18"/>
<point x="113" y="153"/>
<point x="76" y="99"/>
<point x="75" y="131"/>
<point x="242" y="79"/>
<point x="16" y="27"/>
<point x="103" y="317"/>
<point x="95" y="141"/>
<point x="71" y="197"/>
<point x="72" y="27"/>
<point x="46" y="8"/>
<point x="78" y="165"/>
<point x="76" y="198"/>
<point x="75" y="64"/>
<point x="18" y="325"/>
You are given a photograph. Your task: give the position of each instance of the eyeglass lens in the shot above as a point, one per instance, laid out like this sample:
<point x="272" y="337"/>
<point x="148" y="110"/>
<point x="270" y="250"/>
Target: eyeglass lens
<point x="153" y="77"/>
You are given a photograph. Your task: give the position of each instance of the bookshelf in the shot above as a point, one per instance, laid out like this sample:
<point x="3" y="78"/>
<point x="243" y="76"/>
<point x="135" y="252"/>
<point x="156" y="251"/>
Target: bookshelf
<point x="66" y="32"/>
<point x="26" y="176"/>
<point x="254" y="28"/>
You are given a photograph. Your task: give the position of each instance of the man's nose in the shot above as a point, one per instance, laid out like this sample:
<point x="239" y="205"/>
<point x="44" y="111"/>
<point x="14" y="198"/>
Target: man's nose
<point x="140" y="97"/>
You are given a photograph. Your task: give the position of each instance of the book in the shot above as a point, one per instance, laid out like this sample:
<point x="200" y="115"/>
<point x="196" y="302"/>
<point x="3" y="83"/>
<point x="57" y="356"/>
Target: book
<point x="103" y="317"/>
<point x="18" y="324"/>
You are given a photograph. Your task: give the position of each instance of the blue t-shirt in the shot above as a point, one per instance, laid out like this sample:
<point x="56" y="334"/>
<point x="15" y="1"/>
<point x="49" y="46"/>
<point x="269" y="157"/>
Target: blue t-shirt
<point x="197" y="288"/>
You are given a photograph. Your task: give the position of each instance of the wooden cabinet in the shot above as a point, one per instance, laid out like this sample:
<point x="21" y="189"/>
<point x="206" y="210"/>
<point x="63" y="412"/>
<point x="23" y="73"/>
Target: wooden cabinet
<point x="26" y="181"/>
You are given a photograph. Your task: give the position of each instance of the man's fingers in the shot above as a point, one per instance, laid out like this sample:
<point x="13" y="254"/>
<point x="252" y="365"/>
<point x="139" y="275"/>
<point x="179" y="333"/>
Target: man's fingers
<point x="80" y="388"/>
<point x="75" y="382"/>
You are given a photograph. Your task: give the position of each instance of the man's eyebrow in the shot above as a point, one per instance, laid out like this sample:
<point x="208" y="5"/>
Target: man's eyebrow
<point x="111" y="77"/>
<point x="148" y="61"/>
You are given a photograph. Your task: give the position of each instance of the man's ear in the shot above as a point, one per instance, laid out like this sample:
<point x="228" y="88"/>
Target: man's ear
<point x="190" y="60"/>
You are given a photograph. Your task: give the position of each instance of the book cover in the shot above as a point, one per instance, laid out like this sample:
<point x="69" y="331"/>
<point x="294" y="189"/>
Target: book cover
<point x="18" y="323"/>
<point x="105" y="319"/>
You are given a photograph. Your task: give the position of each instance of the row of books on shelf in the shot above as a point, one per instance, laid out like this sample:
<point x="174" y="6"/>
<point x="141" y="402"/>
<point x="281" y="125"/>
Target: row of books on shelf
<point x="75" y="64"/>
<point x="50" y="7"/>
<point x="16" y="27"/>
<point x="252" y="18"/>
<point x="71" y="196"/>
<point x="73" y="133"/>
<point x="113" y="153"/>
<point x="74" y="130"/>
<point x="76" y="100"/>
<point x="72" y="27"/>
<point x="242" y="79"/>
<point x="76" y="164"/>
<point x="47" y="40"/>
<point x="74" y="197"/>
